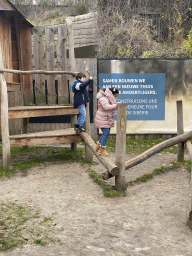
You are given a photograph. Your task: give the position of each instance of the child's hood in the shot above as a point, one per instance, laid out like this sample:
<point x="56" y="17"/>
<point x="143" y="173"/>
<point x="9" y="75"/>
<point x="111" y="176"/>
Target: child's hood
<point x="100" y="94"/>
<point x="107" y="93"/>
<point x="74" y="84"/>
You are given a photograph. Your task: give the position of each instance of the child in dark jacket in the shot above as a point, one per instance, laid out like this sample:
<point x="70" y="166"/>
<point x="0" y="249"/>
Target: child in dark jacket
<point x="81" y="98"/>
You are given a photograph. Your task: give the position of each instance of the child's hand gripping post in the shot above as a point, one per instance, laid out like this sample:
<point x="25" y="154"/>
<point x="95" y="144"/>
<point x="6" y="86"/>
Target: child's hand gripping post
<point x="91" y="77"/>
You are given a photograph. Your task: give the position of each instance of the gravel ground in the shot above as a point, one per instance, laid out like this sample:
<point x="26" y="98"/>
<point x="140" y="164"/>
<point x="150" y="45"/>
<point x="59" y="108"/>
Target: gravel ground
<point x="150" y="220"/>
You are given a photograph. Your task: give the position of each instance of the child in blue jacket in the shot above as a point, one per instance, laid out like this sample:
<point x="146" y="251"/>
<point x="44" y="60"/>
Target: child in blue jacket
<point x="81" y="98"/>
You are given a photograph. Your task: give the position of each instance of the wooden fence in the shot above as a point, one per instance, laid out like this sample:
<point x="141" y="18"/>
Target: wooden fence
<point x="49" y="54"/>
<point x="51" y="51"/>
<point x="52" y="48"/>
<point x="47" y="125"/>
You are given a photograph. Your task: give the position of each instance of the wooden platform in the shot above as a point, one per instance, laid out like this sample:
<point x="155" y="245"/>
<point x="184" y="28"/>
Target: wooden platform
<point x="48" y="137"/>
<point x="35" y="111"/>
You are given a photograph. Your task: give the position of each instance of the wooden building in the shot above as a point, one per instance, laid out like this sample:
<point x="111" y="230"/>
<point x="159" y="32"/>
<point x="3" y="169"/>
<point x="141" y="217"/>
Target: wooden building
<point x="15" y="39"/>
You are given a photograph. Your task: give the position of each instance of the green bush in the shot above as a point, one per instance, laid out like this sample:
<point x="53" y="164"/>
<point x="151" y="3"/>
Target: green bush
<point x="186" y="47"/>
<point x="148" y="54"/>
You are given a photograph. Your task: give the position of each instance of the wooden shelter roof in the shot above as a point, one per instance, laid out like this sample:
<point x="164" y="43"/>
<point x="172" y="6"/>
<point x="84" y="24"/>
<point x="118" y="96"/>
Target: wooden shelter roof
<point x="6" y="5"/>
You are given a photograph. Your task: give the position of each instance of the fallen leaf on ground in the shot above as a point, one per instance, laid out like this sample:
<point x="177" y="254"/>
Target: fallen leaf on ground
<point x="126" y="224"/>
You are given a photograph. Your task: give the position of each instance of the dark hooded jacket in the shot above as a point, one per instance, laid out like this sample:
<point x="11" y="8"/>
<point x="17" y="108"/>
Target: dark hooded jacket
<point x="80" y="92"/>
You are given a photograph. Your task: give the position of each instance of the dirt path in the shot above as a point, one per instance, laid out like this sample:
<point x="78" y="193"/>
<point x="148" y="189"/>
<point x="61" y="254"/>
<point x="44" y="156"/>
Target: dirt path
<point x="150" y="220"/>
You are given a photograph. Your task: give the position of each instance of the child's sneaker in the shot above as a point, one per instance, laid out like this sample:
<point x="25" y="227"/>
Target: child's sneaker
<point x="82" y="129"/>
<point x="97" y="147"/>
<point x="76" y="126"/>
<point x="102" y="151"/>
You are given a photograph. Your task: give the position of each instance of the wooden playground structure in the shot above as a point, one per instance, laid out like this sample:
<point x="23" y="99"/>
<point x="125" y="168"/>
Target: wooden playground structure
<point x="49" y="49"/>
<point x="68" y="135"/>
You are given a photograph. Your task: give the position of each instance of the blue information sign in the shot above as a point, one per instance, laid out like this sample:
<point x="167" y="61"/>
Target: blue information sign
<point x="144" y="93"/>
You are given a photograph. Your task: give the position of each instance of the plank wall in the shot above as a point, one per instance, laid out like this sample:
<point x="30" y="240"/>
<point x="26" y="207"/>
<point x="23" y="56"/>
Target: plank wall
<point x="91" y="64"/>
<point x="84" y="30"/>
<point x="5" y="39"/>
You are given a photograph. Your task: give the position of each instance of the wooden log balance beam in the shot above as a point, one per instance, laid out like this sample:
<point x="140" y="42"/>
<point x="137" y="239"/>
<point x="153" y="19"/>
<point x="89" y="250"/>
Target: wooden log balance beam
<point x="157" y="148"/>
<point x="154" y="150"/>
<point x="110" y="166"/>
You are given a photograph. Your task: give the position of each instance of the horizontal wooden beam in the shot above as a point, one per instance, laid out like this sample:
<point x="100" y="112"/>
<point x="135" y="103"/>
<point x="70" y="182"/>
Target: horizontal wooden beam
<point x="44" y="138"/>
<point x="35" y="111"/>
<point x="44" y="141"/>
<point x="30" y="72"/>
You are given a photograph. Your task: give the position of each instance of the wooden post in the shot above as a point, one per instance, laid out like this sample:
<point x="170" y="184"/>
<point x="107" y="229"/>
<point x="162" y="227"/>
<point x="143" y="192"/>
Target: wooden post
<point x="43" y="65"/>
<point x="26" y="61"/>
<point x="36" y="58"/>
<point x="120" y="181"/>
<point x="72" y="65"/>
<point x="25" y="127"/>
<point x="189" y="149"/>
<point x="4" y="119"/>
<point x="50" y="64"/>
<point x="38" y="51"/>
<point x="88" y="152"/>
<point x="180" y="130"/>
<point x="61" y="65"/>
<point x="73" y="122"/>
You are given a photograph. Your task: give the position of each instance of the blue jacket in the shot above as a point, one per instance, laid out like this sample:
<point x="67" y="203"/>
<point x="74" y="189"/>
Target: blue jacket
<point x="80" y="92"/>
